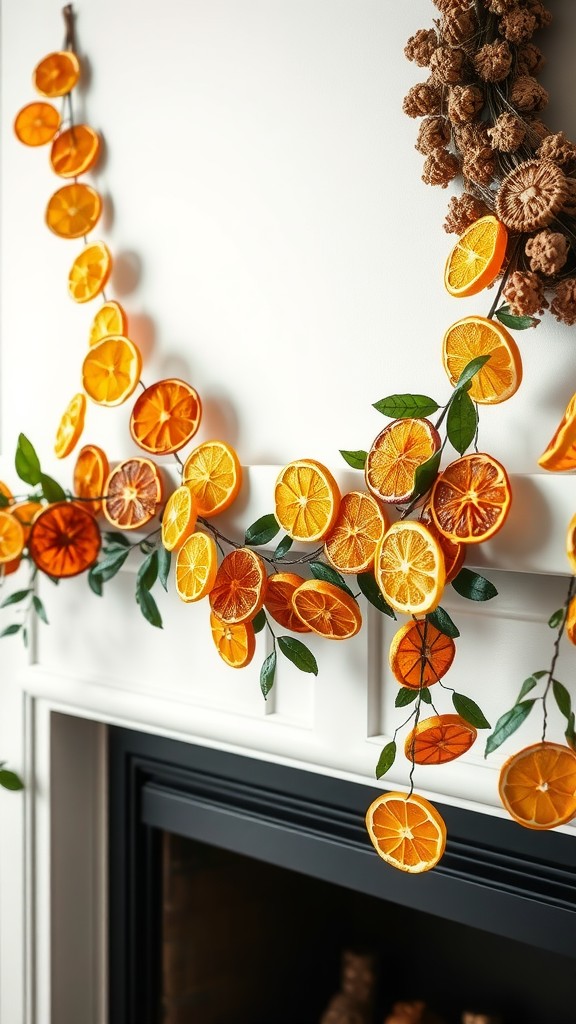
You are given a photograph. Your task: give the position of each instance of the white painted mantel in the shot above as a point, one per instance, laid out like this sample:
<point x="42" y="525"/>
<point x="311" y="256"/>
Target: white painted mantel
<point x="275" y="246"/>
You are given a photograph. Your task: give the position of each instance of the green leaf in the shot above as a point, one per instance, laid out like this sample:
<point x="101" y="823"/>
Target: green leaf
<point x="473" y="586"/>
<point x="528" y="685"/>
<point x="95" y="583"/>
<point x="443" y="622"/>
<point x="469" y="711"/>
<point x="40" y="609"/>
<point x="267" y="673"/>
<point x="373" y="594"/>
<point x="400" y="406"/>
<point x="51" y="489"/>
<point x="27" y="462"/>
<point x="164" y="561"/>
<point x="262" y="531"/>
<point x="570" y="733"/>
<point x="405" y="696"/>
<point x="507" y="724"/>
<point x="25" y="637"/>
<point x="562" y="698"/>
<point x="386" y="759"/>
<point x="110" y="565"/>
<point x="461" y="422"/>
<point x="4" y="500"/>
<point x="15" y="627"/>
<point x="515" y="323"/>
<point x="426" y="474"/>
<point x="555" y="619"/>
<point x="148" y="572"/>
<point x="426" y="695"/>
<point x="321" y="571"/>
<point x="469" y="371"/>
<point x="15" y="598"/>
<point x="9" y="780"/>
<point x="148" y="607"/>
<point x="298" y="654"/>
<point x="283" y="547"/>
<point x="355" y="459"/>
<point x="110" y="537"/>
<point x="259" y="621"/>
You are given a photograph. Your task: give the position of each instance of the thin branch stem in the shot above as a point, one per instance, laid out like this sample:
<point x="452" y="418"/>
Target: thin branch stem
<point x="556" y="652"/>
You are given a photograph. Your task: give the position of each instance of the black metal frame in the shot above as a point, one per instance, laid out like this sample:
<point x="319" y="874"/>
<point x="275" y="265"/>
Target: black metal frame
<point x="495" y="875"/>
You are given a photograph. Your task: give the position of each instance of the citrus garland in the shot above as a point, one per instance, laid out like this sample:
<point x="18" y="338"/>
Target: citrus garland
<point x="400" y="567"/>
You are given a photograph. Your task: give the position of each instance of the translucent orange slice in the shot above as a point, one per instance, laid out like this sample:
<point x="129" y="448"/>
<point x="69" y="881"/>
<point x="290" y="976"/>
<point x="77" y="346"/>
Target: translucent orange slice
<point x="196" y="567"/>
<point x="64" y="540"/>
<point x="109" y="320"/>
<point x="57" y="73"/>
<point x="409" y="568"/>
<point x="214" y="473"/>
<point x="471" y="499"/>
<point x="406" y="831"/>
<point x="240" y="586"/>
<point x="12" y="537"/>
<point x="132" y="493"/>
<point x="74" y="151"/>
<point x="307" y="499"/>
<point x="538" y="785"/>
<point x="71" y="426"/>
<point x="166" y="416"/>
<point x="279" y="594"/>
<point x="73" y="211"/>
<point x="111" y="370"/>
<point x="90" y="474"/>
<point x="235" y="643"/>
<point x="560" y="454"/>
<point x="420" y="654"/>
<point x="360" y="524"/>
<point x="474" y="336"/>
<point x="327" y="610"/>
<point x="396" y="454"/>
<point x="179" y="518"/>
<point x="477" y="257"/>
<point x="90" y="272"/>
<point x="36" y="124"/>
<point x="439" y="739"/>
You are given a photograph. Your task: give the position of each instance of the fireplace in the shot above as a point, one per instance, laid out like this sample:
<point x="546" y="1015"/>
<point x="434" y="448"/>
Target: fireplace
<point x="236" y="883"/>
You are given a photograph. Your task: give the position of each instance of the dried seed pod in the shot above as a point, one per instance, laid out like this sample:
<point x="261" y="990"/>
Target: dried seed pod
<point x="479" y="168"/>
<point x="494" y="61"/>
<point x="527" y="94"/>
<point x="547" y="251"/>
<point x="518" y="25"/>
<point x="464" y="103"/>
<point x="558" y="149"/>
<point x="434" y="133"/>
<point x="524" y="293"/>
<point x="507" y="133"/>
<point x="563" y="304"/>
<point x="462" y="212"/>
<point x="531" y="195"/>
<point x="458" y="26"/>
<point x="422" y="99"/>
<point x="569" y="206"/>
<point x="440" y="167"/>
<point x="530" y="59"/>
<point x="421" y="46"/>
<point x="447" y="65"/>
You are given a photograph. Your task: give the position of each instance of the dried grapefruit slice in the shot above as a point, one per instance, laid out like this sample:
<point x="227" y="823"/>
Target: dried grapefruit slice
<point x="166" y="416"/>
<point x="409" y="568"/>
<point x="475" y="336"/>
<point x="214" y="473"/>
<point x="406" y="831"/>
<point x="471" y="498"/>
<point x="240" y="587"/>
<point x="132" y="493"/>
<point x="420" y="654"/>
<point x="327" y="610"/>
<point x="359" y="526"/>
<point x="90" y="473"/>
<point x="396" y="454"/>
<point x="477" y="257"/>
<point x="64" y="540"/>
<point x="71" y="426"/>
<point x="306" y="498"/>
<point x="74" y="151"/>
<point x="279" y="593"/>
<point x="235" y="643"/>
<point x="36" y="124"/>
<point x="538" y="785"/>
<point x="439" y="739"/>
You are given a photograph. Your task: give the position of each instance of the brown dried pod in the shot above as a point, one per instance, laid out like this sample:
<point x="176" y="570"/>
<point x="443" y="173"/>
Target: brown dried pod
<point x="422" y="99"/>
<point x="421" y="46"/>
<point x="531" y="195"/>
<point x="569" y="206"/>
<point x="440" y="168"/>
<point x="536" y="130"/>
<point x="563" y="304"/>
<point x="452" y="5"/>
<point x="494" y="61"/>
<point x="540" y="12"/>
<point x="500" y="6"/>
<point x="479" y="168"/>
<point x="507" y="133"/>
<point x="558" y="149"/>
<point x="462" y="212"/>
<point x="518" y="25"/>
<point x="464" y="103"/>
<point x="524" y="293"/>
<point x="447" y="65"/>
<point x="434" y="132"/>
<point x="530" y="60"/>
<point x="458" y="26"/>
<point x="527" y="94"/>
<point x="547" y="251"/>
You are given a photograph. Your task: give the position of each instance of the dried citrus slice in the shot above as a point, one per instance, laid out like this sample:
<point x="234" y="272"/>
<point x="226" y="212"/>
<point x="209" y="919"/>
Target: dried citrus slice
<point x="396" y="454"/>
<point x="71" y="426"/>
<point x="235" y="643"/>
<point x="73" y="211"/>
<point x="409" y="568"/>
<point x="538" y="785"/>
<point x="454" y="552"/>
<point x="439" y="739"/>
<point x="57" y="73"/>
<point x="26" y="512"/>
<point x="74" y="151"/>
<point x="475" y="336"/>
<point x="89" y="272"/>
<point x="327" y="610"/>
<point x="471" y="499"/>
<point x="111" y="370"/>
<point x="12" y="538"/>
<point x="571" y="543"/>
<point x="359" y="525"/>
<point x="406" y="831"/>
<point x="90" y="474"/>
<point x="477" y="257"/>
<point x="179" y="517"/>
<point x="64" y="539"/>
<point x="165" y="416"/>
<point x="240" y="586"/>
<point x="214" y="473"/>
<point x="306" y="498"/>
<point x="571" y="621"/>
<point x="420" y="654"/>
<point x="109" y="320"/>
<point x="278" y="601"/>
<point x="561" y="452"/>
<point x="132" y="493"/>
<point x="196" y="567"/>
<point x="36" y="124"/>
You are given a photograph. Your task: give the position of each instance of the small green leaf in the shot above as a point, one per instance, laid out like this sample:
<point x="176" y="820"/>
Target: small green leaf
<point x="148" y="571"/>
<point x="283" y="547"/>
<point x="321" y="571"/>
<point x="51" y="489"/>
<point x="528" y="685"/>
<point x="110" y="537"/>
<point x="515" y="323"/>
<point x="15" y="598"/>
<point x="355" y="459"/>
<point x="386" y="759"/>
<point x="9" y="780"/>
<point x="469" y="711"/>
<point x="405" y="696"/>
<point x="461" y="422"/>
<point x="555" y="619"/>
<point x="15" y="627"/>
<point x="40" y="609"/>
<point x="401" y="406"/>
<point x="469" y="371"/>
<point x="507" y="724"/>
<point x="95" y="582"/>
<point x="373" y="594"/>
<point x="443" y="622"/>
<point x="259" y="621"/>
<point x="110" y="565"/>
<point x="426" y="695"/>
<point x="148" y="607"/>
<point x="562" y="698"/>
<point x="164" y="560"/>
<point x="25" y="637"/>
<point x="570" y="733"/>
<point x="262" y="531"/>
<point x="27" y="462"/>
<point x="473" y="586"/>
<point x="298" y="654"/>
<point x="426" y="474"/>
<point x="4" y="500"/>
<point x="267" y="673"/>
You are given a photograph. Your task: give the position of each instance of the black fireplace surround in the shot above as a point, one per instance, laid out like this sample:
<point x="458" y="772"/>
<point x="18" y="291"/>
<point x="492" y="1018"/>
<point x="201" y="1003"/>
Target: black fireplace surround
<point x="515" y="887"/>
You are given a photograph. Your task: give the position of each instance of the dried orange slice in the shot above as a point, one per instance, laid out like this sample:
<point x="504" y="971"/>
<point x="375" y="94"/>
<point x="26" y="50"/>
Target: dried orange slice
<point x="360" y="524"/>
<point x="474" y="336"/>
<point x="538" y="785"/>
<point x="90" y="272"/>
<point x="74" y="151"/>
<point x="109" y="320"/>
<point x="571" y="543"/>
<point x="166" y="415"/>
<point x="454" y="552"/>
<point x="306" y="498"/>
<point x="64" y="539"/>
<point x="395" y="456"/>
<point x="57" y="73"/>
<point x="214" y="473"/>
<point x="196" y="567"/>
<point x="561" y="452"/>
<point x="477" y="257"/>
<point x="12" y="538"/>
<point x="571" y="621"/>
<point x="409" y="568"/>
<point x="73" y="211"/>
<point x="132" y="493"/>
<point x="420" y="654"/>
<point x="471" y="499"/>
<point x="36" y="124"/>
<point x="90" y="474"/>
<point x="235" y="643"/>
<point x="327" y="610"/>
<point x="406" y="831"/>
<point x="179" y="518"/>
<point x="71" y="426"/>
<point x="439" y="739"/>
<point x="240" y="586"/>
<point x="279" y="593"/>
<point x="111" y="370"/>
<point x="26" y="512"/>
